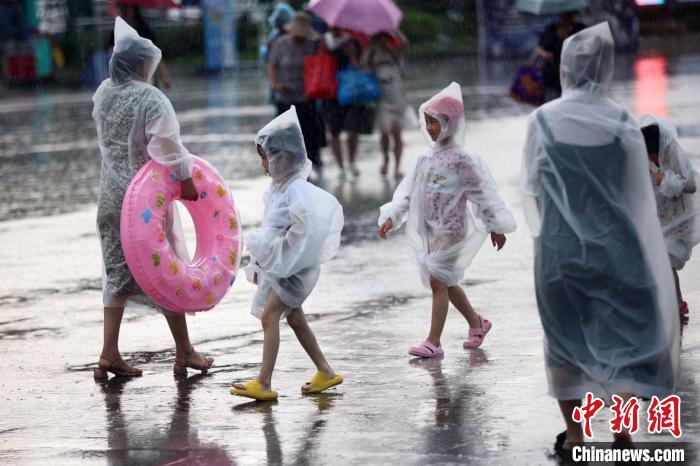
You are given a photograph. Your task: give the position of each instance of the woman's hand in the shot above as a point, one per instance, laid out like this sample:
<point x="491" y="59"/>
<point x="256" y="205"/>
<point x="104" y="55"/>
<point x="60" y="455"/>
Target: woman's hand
<point x="386" y="228"/>
<point x="498" y="240"/>
<point x="280" y="88"/>
<point x="188" y="190"/>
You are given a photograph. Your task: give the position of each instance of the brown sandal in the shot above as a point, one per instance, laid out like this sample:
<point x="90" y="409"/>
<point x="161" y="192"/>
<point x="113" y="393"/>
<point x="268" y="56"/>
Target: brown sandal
<point x="180" y="368"/>
<point x="102" y="370"/>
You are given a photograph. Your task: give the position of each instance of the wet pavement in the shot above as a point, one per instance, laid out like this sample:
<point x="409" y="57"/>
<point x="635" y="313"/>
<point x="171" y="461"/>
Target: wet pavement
<point x="487" y="406"/>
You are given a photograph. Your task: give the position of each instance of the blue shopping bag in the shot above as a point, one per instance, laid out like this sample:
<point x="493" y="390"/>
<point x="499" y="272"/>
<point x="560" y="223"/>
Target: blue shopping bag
<point x="357" y="87"/>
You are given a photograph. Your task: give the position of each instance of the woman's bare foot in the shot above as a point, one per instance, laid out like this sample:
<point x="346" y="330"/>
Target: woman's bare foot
<point x="329" y="373"/>
<point x="193" y="360"/>
<point x="115" y="365"/>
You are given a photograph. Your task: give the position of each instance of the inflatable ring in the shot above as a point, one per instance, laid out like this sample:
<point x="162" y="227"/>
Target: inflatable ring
<point x="161" y="274"/>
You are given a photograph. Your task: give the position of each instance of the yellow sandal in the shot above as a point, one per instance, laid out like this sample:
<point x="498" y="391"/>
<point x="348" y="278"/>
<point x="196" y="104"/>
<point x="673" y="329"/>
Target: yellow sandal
<point x="254" y="390"/>
<point x="320" y="383"/>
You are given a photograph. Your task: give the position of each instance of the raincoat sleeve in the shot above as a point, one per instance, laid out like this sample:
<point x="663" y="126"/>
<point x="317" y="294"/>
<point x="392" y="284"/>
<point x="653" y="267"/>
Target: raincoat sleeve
<point x="489" y="207"/>
<point x="397" y="209"/>
<point x="679" y="175"/>
<point x="163" y="136"/>
<point x="312" y="237"/>
<point x="529" y="185"/>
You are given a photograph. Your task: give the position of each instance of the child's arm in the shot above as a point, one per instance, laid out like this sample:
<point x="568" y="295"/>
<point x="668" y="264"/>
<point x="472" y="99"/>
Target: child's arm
<point x="488" y="204"/>
<point x="315" y="223"/>
<point x="393" y="214"/>
<point x="678" y="174"/>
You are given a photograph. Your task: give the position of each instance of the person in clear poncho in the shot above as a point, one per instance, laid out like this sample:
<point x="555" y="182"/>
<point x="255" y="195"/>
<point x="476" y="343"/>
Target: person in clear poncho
<point x="440" y="200"/>
<point x="602" y="277"/>
<point x="675" y="183"/>
<point x="300" y="230"/>
<point x="135" y="123"/>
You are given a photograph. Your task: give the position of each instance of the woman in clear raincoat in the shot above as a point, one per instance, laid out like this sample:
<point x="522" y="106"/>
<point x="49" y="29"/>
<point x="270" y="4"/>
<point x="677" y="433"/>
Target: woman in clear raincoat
<point x="603" y="281"/>
<point x="300" y="230"/>
<point x="135" y="123"/>
<point x="440" y="200"/>
<point x="675" y="183"/>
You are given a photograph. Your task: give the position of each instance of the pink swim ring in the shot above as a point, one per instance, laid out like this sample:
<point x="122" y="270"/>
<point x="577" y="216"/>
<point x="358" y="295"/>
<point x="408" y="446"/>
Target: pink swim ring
<point x="161" y="274"/>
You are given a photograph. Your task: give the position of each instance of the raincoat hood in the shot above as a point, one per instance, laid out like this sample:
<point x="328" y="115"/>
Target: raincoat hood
<point x="447" y="107"/>
<point x="667" y="131"/>
<point x="283" y="142"/>
<point x="587" y="60"/>
<point x="133" y="57"/>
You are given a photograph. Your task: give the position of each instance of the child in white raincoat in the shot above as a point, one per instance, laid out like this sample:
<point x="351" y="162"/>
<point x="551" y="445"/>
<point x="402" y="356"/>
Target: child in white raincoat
<point x="675" y="183"/>
<point x="301" y="230"/>
<point x="434" y="200"/>
<point x="135" y="123"/>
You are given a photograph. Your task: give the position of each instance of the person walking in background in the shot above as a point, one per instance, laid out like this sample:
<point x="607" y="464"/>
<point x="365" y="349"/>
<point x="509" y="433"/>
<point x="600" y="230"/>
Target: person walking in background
<point x="385" y="60"/>
<point x="349" y="118"/>
<point x="286" y="74"/>
<point x="135" y="123"/>
<point x="675" y="187"/>
<point x="549" y="48"/>
<point x="602" y="276"/>
<point x="437" y="200"/>
<point x="133" y="17"/>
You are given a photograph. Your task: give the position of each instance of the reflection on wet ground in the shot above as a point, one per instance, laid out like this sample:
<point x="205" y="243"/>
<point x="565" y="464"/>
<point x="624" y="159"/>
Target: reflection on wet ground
<point x="481" y="407"/>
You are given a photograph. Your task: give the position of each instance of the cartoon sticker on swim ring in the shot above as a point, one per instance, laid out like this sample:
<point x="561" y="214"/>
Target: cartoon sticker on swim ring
<point x="171" y="281"/>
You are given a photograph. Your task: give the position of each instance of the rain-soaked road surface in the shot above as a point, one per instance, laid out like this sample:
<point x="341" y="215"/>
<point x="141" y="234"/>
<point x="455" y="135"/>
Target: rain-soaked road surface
<point x="487" y="406"/>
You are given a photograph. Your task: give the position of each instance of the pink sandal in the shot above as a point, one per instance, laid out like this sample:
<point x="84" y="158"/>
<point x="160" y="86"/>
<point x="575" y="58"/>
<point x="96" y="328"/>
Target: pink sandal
<point x="477" y="335"/>
<point x="426" y="350"/>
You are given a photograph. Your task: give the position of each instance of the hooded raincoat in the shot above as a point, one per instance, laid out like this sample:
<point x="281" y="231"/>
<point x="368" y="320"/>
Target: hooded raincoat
<point x="135" y="123"/>
<point x="678" y="194"/>
<point x="301" y="223"/>
<point x="603" y="280"/>
<point x="444" y="194"/>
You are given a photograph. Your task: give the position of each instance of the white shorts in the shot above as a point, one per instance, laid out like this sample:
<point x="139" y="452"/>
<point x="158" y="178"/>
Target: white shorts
<point x="390" y="119"/>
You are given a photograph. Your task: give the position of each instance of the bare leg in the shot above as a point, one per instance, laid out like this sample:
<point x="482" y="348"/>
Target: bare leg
<point x="398" y="151"/>
<point x="352" y="146"/>
<point x="270" y="320"/>
<point x="185" y="355"/>
<point x="306" y="337"/>
<point x="574" y="433"/>
<point x="384" y="144"/>
<point x="337" y="150"/>
<point x="110" y="344"/>
<point x="459" y="299"/>
<point x="441" y="303"/>
<point x="678" y="286"/>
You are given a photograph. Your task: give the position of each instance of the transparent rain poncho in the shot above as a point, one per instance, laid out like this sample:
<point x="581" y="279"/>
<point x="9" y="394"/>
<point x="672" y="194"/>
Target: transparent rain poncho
<point x="301" y="223"/>
<point x="678" y="194"/>
<point x="135" y="123"/>
<point x="603" y="281"/>
<point x="444" y="194"/>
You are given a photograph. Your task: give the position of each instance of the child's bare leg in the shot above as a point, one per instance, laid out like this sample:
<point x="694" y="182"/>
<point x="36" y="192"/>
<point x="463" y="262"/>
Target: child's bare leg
<point x="270" y="320"/>
<point x="679" y="295"/>
<point x="459" y="299"/>
<point x="441" y="303"/>
<point x="574" y="434"/>
<point x="110" y="343"/>
<point x="306" y="337"/>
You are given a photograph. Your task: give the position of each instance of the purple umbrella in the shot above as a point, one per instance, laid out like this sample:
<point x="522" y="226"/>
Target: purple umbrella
<point x="366" y="16"/>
